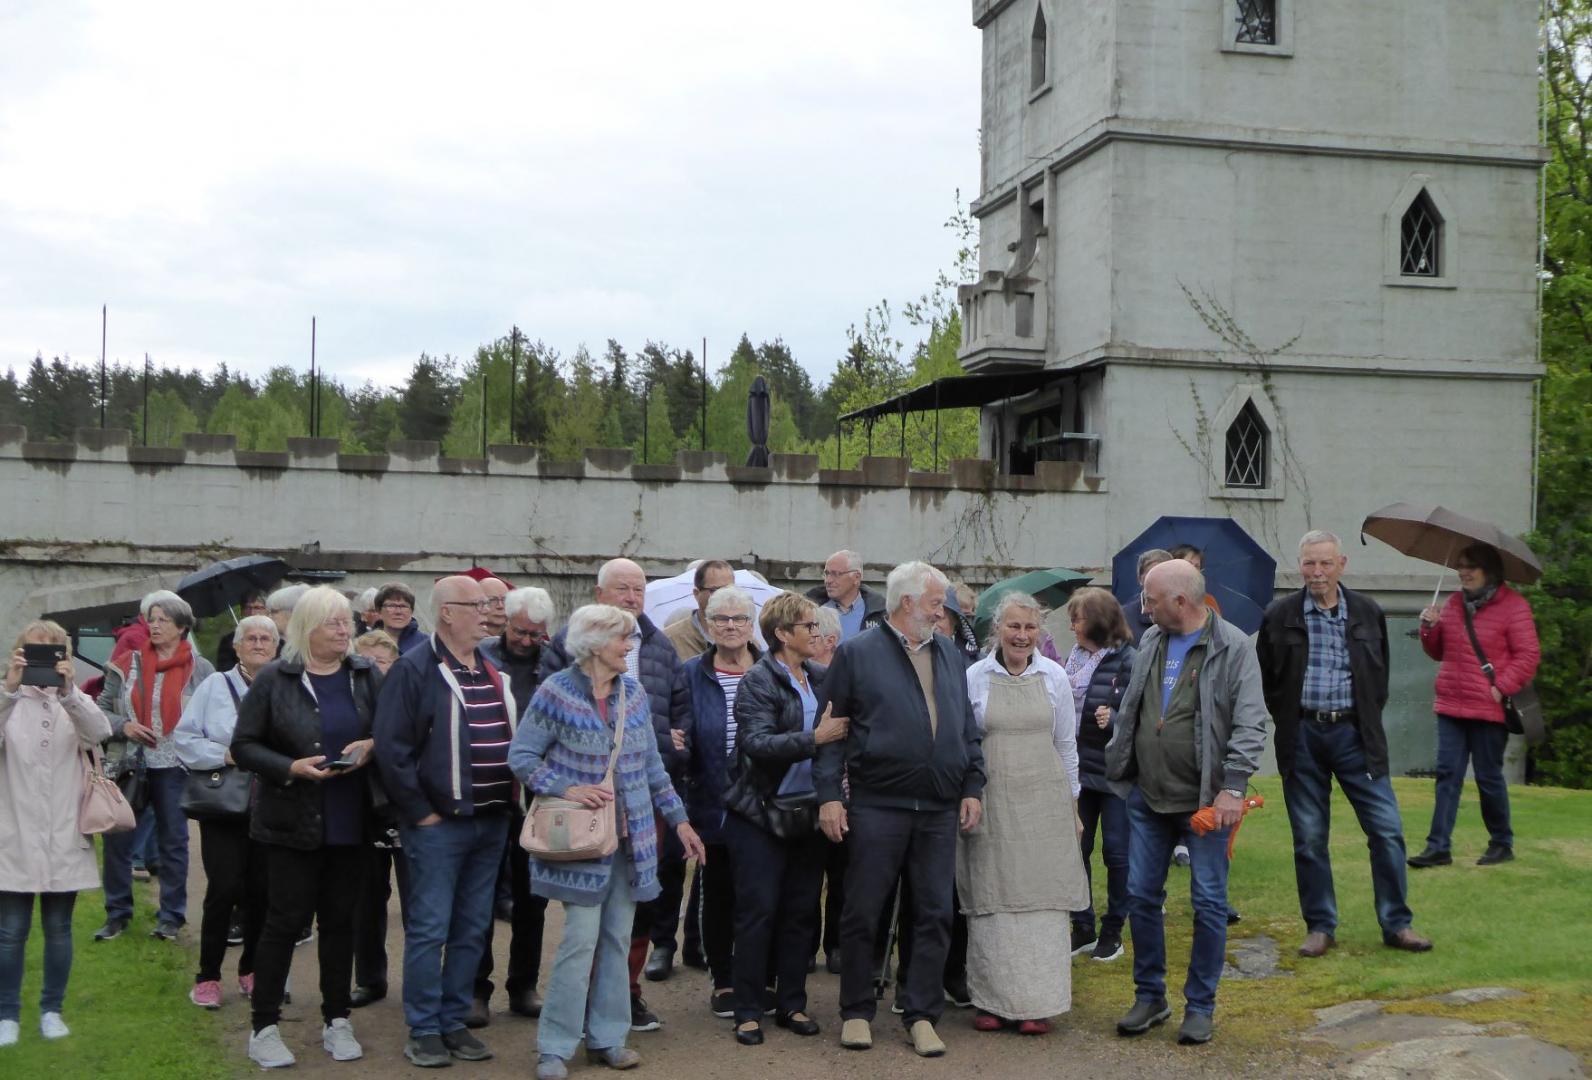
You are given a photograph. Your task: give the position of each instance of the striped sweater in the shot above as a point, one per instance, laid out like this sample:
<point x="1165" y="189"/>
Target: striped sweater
<point x="562" y="742"/>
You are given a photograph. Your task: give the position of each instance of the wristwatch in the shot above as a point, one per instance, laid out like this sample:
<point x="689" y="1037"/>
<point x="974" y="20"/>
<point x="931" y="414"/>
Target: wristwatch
<point x="1234" y="792"/>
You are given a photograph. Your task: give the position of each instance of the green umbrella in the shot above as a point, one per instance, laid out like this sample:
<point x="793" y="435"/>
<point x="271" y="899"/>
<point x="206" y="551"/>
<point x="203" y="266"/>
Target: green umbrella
<point x="1050" y="587"/>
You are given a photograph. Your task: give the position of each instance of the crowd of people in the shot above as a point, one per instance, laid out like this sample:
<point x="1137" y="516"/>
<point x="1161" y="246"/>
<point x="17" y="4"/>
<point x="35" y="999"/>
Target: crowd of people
<point x="858" y="781"/>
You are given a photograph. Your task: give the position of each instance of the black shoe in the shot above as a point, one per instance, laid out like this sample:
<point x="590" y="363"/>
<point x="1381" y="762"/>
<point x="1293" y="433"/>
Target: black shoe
<point x="1430" y="857"/>
<point x="428" y="1052"/>
<point x="113" y="928"/>
<point x="165" y="930"/>
<point x="525" y="1003"/>
<point x="1109" y="947"/>
<point x="366" y="995"/>
<point x="957" y="993"/>
<point x="480" y="1014"/>
<point x="722" y="1004"/>
<point x="1143" y="1016"/>
<point x="1233" y="917"/>
<point x="692" y="957"/>
<point x="832" y="961"/>
<point x="1083" y="939"/>
<point x="464" y="1046"/>
<point x="660" y="965"/>
<point x="641" y="1017"/>
<point x="1496" y="853"/>
<point x="750" y="1036"/>
<point x="503" y="911"/>
<point x="235" y="934"/>
<point x="306" y="936"/>
<point x="805" y="1026"/>
<point x="1196" y="1030"/>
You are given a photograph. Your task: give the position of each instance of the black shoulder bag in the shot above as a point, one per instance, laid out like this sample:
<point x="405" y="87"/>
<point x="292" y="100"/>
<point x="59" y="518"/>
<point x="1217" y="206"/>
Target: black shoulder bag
<point x="1522" y="709"/>
<point x="218" y="794"/>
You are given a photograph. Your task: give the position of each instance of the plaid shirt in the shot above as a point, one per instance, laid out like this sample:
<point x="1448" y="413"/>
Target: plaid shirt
<point x="1329" y="686"/>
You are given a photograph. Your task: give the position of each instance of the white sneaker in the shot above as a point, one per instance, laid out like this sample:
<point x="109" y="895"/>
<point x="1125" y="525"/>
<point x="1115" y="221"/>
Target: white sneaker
<point x="267" y="1050"/>
<point x="338" y="1039"/>
<point x="51" y="1026"/>
<point x="9" y="1030"/>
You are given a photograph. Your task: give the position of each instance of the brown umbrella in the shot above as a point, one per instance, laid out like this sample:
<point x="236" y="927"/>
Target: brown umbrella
<point x="1438" y="535"/>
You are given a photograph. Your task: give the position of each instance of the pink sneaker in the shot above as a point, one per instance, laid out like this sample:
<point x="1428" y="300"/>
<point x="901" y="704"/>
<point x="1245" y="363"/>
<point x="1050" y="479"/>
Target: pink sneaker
<point x="206" y="995"/>
<point x="246" y="985"/>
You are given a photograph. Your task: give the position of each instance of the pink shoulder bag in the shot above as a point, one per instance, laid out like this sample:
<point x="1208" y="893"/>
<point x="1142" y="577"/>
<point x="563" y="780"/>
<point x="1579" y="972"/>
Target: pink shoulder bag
<point x="562" y="830"/>
<point x="103" y="808"/>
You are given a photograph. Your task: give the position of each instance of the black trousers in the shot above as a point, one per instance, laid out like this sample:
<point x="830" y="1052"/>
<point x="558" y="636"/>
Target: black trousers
<point x="370" y="913"/>
<point x="234" y="877"/>
<point x="662" y="916"/>
<point x="887" y="843"/>
<point x="323" y="883"/>
<point x="826" y="926"/>
<point x="776" y="894"/>
<point x="955" y="969"/>
<point x="716" y="912"/>
<point x="525" y="927"/>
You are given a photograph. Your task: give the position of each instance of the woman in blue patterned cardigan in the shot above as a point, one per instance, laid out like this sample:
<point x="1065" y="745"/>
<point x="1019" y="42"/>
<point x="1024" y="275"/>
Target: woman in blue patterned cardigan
<point x="561" y="748"/>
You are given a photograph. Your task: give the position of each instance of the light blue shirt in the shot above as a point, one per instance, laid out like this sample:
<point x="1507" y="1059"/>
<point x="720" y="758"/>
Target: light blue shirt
<point x="799" y="777"/>
<point x="1177" y="647"/>
<point x="850" y="620"/>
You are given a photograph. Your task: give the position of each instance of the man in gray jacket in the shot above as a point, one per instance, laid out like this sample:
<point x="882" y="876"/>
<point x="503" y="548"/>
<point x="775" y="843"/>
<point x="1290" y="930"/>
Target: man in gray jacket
<point x="1189" y="734"/>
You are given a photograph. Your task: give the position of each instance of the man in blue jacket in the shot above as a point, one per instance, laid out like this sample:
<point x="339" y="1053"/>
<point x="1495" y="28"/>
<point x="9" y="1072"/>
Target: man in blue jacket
<point x="444" y="722"/>
<point x="915" y="765"/>
<point x="654" y="662"/>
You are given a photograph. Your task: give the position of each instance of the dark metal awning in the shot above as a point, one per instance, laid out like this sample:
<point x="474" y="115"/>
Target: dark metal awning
<point x="959" y="392"/>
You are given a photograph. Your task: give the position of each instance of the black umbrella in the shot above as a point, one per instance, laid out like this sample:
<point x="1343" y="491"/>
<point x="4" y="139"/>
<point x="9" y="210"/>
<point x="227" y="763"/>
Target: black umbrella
<point x="220" y="585"/>
<point x="757" y="408"/>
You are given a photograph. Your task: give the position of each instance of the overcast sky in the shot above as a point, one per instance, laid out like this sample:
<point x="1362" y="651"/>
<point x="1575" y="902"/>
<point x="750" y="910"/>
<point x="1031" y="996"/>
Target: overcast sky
<point x="422" y="176"/>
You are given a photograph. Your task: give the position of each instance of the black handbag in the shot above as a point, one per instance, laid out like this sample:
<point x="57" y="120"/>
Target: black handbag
<point x="1523" y="708"/>
<point x="134" y="781"/>
<point x="791" y="817"/>
<point x="217" y="794"/>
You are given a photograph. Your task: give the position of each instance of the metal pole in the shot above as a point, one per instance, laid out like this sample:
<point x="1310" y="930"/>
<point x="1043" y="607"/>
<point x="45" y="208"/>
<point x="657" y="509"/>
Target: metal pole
<point x="870" y="436"/>
<point x="837" y="444"/>
<point x="483" y="412"/>
<point x="146" y="399"/>
<point x="646" y="407"/>
<point x="936" y="425"/>
<point x="903" y="427"/>
<point x="104" y="317"/>
<point x="514" y="377"/>
<point x="314" y="386"/>
<point x="704" y="393"/>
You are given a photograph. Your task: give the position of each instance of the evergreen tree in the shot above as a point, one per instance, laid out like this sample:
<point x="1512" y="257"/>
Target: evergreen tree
<point x="426" y="405"/>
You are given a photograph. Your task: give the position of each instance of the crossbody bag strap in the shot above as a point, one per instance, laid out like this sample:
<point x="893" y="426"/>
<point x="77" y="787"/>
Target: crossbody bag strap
<point x="1470" y="628"/>
<point x="619" y="737"/>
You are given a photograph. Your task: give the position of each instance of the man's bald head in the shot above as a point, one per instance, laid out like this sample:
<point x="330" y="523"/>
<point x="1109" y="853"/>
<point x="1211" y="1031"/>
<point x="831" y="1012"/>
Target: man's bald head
<point x="623" y="584"/>
<point x="1174" y="596"/>
<point x="456" y="613"/>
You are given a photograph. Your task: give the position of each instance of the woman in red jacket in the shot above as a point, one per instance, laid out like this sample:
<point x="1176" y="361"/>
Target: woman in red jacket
<point x="1469" y="705"/>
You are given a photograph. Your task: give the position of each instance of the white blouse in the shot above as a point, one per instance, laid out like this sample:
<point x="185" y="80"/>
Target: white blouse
<point x="1064" y="727"/>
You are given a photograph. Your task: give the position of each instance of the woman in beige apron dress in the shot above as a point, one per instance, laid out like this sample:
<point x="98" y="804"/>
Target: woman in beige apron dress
<point x="1019" y="874"/>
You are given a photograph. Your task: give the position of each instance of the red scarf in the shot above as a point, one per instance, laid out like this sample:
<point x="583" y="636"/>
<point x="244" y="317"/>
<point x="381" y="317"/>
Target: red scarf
<point x="177" y="669"/>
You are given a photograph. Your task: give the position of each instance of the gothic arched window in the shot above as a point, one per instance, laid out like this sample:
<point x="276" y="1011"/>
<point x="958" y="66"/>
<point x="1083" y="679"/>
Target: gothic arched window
<point x="1247" y="451"/>
<point x="1421" y="238"/>
<point x="1039" y="51"/>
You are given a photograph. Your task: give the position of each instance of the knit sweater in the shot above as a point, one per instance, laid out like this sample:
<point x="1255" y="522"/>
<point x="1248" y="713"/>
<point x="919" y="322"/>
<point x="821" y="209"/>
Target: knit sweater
<point x="563" y="742"/>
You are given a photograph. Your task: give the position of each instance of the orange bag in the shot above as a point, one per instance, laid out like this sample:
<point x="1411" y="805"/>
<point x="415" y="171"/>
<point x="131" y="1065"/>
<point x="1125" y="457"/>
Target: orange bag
<point x="1204" y="820"/>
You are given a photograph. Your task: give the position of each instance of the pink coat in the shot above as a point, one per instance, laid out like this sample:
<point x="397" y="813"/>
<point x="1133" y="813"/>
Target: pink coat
<point x="1507" y="636"/>
<point x="42" y="738"/>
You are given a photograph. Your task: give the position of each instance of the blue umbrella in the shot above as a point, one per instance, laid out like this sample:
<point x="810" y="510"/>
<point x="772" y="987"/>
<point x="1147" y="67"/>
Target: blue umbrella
<point x="1238" y="572"/>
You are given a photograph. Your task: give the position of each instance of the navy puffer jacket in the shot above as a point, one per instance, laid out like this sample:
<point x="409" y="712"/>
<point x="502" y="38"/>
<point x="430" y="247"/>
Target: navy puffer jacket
<point x="659" y="664"/>
<point x="1106" y="687"/>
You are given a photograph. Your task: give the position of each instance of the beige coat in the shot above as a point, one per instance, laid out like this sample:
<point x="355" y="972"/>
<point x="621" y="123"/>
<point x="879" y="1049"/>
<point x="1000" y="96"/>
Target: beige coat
<point x="42" y="738"/>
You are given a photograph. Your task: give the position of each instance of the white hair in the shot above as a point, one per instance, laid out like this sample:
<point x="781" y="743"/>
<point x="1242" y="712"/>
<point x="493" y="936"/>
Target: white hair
<point x="367" y="599"/>
<point x="286" y="598"/>
<point x="828" y="620"/>
<point x="255" y="622"/>
<point x="169" y="604"/>
<point x="605" y="572"/>
<point x="1320" y="536"/>
<point x="731" y="596"/>
<point x="595" y="625"/>
<point x="314" y="608"/>
<point x="909" y="581"/>
<point x="531" y="602"/>
<point x="853" y="560"/>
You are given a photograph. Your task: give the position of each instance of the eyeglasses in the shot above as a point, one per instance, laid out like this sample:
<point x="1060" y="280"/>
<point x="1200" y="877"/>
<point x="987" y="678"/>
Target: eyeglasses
<point x="1466" y="566"/>
<point x="730" y="620"/>
<point x="397" y="605"/>
<point x="810" y="627"/>
<point x="493" y="601"/>
<point x="831" y="574"/>
<point x="529" y="635"/>
<point x="479" y="605"/>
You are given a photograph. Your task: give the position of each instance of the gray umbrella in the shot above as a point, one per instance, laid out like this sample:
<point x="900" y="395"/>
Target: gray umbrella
<point x="1437" y="535"/>
<point x="757" y="409"/>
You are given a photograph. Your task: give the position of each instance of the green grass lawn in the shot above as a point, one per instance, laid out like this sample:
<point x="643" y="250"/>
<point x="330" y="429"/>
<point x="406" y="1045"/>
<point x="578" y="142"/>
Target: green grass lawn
<point x="1523" y="924"/>
<point x="127" y="1005"/>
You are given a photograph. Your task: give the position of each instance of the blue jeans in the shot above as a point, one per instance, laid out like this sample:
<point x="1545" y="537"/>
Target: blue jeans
<point x="453" y="867"/>
<point x="171" y="827"/>
<point x="16" y="918"/>
<point x="1151" y="839"/>
<point x="1482" y="743"/>
<point x="1322" y="751"/>
<point x="1110" y="814"/>
<point x="146" y="849"/>
<point x="587" y="996"/>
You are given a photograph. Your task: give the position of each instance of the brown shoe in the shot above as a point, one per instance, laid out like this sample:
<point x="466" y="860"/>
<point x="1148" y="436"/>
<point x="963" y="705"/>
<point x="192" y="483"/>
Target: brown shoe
<point x="1316" y="944"/>
<point x="1408" y="940"/>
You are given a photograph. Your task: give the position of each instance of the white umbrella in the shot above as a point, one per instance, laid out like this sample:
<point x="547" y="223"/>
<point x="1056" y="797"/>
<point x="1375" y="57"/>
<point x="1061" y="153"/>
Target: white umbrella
<point x="668" y="595"/>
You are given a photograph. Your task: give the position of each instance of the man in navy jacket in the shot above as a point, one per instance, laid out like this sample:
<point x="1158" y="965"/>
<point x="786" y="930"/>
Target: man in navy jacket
<point x="915" y="765"/>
